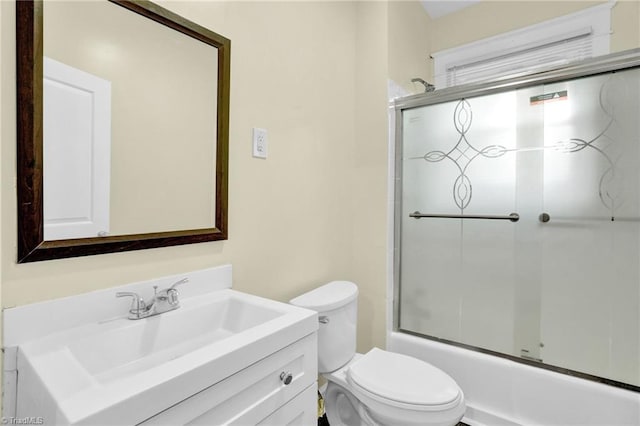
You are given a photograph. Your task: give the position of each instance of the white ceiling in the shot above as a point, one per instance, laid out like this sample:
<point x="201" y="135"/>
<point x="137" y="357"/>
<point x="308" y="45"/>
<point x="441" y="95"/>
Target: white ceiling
<point x="439" y="8"/>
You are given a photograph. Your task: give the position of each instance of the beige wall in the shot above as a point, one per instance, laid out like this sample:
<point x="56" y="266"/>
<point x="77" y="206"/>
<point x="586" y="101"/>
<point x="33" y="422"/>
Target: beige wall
<point x="626" y="25"/>
<point x="409" y="44"/>
<point x="369" y="173"/>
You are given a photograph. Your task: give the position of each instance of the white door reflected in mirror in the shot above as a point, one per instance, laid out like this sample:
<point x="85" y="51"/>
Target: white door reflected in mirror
<point x="77" y="152"/>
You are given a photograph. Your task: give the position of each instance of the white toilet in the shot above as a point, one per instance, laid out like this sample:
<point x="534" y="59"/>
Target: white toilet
<point x="379" y="387"/>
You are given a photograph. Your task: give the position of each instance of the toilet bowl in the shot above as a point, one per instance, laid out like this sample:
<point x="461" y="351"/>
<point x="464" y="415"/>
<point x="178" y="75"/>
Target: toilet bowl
<point x="379" y="388"/>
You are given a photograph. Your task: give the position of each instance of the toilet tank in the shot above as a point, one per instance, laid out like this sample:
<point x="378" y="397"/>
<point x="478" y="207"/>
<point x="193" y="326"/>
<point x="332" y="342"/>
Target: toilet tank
<point x="337" y="307"/>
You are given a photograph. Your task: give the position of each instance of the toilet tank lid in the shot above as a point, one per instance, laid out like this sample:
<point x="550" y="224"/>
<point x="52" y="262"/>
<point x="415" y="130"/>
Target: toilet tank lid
<point x="327" y="297"/>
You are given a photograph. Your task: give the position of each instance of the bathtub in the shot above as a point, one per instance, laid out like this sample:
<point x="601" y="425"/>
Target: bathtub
<point x="501" y="392"/>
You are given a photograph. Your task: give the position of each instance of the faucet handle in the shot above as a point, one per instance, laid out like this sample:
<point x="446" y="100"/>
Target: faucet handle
<point x="177" y="283"/>
<point x="172" y="292"/>
<point x="137" y="302"/>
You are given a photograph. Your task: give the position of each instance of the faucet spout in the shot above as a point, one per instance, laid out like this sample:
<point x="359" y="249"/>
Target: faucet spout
<point x="138" y="305"/>
<point x="163" y="301"/>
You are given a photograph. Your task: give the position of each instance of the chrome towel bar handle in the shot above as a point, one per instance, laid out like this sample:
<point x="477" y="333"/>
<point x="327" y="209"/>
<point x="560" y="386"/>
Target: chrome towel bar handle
<point x="513" y="217"/>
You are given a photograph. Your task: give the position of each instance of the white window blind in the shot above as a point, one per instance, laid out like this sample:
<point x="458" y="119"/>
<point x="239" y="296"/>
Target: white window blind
<point x="553" y="43"/>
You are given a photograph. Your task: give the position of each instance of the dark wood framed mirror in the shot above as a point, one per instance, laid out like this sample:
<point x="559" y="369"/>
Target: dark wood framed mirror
<point x="32" y="244"/>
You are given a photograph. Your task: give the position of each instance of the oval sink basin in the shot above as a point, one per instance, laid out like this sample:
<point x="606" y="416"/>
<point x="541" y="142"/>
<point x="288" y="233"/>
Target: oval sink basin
<point x="95" y="372"/>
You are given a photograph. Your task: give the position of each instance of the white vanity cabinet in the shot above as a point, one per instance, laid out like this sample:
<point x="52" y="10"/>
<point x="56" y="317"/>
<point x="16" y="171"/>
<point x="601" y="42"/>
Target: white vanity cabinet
<point x="256" y="395"/>
<point x="224" y="357"/>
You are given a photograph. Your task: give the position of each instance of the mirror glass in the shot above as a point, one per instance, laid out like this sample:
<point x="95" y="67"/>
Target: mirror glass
<point x="153" y="159"/>
<point x="122" y="129"/>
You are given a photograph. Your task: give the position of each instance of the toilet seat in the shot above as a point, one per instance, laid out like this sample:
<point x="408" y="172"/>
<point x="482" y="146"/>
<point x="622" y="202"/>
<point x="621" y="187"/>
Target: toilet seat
<point x="386" y="406"/>
<point x="402" y="381"/>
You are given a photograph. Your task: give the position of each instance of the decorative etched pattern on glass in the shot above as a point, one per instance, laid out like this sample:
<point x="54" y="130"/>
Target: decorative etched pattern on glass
<point x="463" y="153"/>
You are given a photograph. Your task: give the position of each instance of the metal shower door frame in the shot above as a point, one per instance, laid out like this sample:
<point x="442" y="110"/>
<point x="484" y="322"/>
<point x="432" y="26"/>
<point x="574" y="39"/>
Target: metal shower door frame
<point x="604" y="64"/>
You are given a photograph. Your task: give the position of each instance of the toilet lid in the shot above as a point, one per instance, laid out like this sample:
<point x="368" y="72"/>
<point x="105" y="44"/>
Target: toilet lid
<point x="404" y="379"/>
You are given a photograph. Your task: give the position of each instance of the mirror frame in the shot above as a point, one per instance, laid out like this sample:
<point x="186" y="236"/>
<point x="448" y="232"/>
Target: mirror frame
<point x="29" y="54"/>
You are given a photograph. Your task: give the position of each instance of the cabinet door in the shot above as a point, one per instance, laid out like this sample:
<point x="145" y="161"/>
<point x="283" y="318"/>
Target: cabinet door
<point x="301" y="410"/>
<point x="250" y="395"/>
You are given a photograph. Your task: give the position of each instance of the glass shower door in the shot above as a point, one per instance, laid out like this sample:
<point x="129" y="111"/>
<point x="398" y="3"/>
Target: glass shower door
<point x="561" y="284"/>
<point x="590" y="278"/>
<point x="459" y="275"/>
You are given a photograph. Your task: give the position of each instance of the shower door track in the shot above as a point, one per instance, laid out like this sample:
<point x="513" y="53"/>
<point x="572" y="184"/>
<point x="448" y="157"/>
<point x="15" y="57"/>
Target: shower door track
<point x="533" y="362"/>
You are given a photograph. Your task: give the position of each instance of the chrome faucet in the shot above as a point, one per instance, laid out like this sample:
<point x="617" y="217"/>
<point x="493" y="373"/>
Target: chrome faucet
<point x="163" y="301"/>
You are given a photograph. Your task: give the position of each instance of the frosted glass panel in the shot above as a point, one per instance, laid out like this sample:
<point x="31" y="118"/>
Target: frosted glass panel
<point x="591" y="194"/>
<point x="459" y="152"/>
<point x="560" y="285"/>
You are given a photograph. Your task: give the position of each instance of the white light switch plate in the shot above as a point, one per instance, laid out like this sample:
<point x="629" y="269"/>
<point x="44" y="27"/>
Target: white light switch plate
<point x="259" y="143"/>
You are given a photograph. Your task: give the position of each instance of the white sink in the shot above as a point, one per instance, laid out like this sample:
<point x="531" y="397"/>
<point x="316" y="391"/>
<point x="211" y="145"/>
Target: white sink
<point x="129" y="369"/>
<point x="119" y="350"/>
